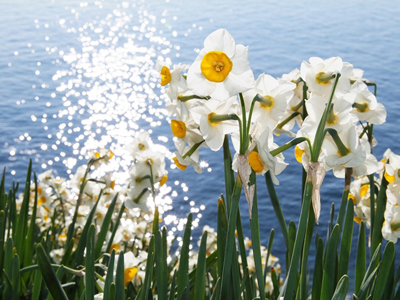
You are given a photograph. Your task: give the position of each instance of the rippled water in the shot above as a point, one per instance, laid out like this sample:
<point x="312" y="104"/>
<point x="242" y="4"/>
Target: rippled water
<point x="75" y="76"/>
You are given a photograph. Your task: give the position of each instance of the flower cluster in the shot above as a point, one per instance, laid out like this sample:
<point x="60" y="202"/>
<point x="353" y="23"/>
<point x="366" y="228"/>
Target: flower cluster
<point x="326" y="105"/>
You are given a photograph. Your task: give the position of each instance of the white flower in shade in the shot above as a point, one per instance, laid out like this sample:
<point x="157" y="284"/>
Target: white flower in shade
<point x="360" y="195"/>
<point x="354" y="154"/>
<point x="177" y="83"/>
<point x="221" y="69"/>
<point x="392" y="166"/>
<point x="366" y="107"/>
<point x="339" y="117"/>
<point x="130" y="267"/>
<point x="262" y="161"/>
<point x="391" y="225"/>
<point x="141" y="142"/>
<point x="214" y="132"/>
<point x="182" y="162"/>
<point x="317" y="75"/>
<point x="184" y="127"/>
<point x="275" y="98"/>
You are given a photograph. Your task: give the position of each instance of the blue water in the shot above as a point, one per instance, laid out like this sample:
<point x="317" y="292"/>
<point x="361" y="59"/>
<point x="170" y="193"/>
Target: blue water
<point x="78" y="75"/>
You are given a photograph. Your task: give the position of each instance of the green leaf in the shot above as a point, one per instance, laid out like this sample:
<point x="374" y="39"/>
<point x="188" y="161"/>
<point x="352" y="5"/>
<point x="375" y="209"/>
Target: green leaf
<point x="120" y="278"/>
<point x="15" y="279"/>
<point x="277" y="208"/>
<point x="341" y="288"/>
<point x="292" y="238"/>
<point x="255" y="237"/>
<point x="222" y="228"/>
<point x="318" y="270"/>
<point x="347" y="237"/>
<point x="200" y="286"/>
<point x="109" y="276"/>
<point x="37" y="285"/>
<point x="101" y="237"/>
<point x="149" y="270"/>
<point x="328" y="279"/>
<point x="361" y="259"/>
<point x="22" y="220"/>
<point x="115" y="227"/>
<point x="155" y="221"/>
<point x="172" y="287"/>
<point x="385" y="267"/>
<point x="161" y="267"/>
<point x="293" y="268"/>
<point x="229" y="176"/>
<point x="376" y="236"/>
<point x="217" y="290"/>
<point x="270" y="242"/>
<point x="89" y="264"/>
<point x="182" y="276"/>
<point x="78" y="254"/>
<point x="49" y="275"/>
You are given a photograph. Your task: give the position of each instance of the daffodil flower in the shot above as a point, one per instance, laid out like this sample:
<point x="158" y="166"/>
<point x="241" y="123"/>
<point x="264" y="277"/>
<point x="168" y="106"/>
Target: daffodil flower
<point x="212" y="128"/>
<point x="173" y="78"/>
<point x="274" y="98"/>
<point x="319" y="75"/>
<point x="221" y="69"/>
<point x="365" y="105"/>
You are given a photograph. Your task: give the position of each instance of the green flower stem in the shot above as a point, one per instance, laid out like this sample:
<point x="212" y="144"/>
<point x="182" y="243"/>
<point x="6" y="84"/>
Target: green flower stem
<point x="343" y="150"/>
<point x="305" y="89"/>
<point x="78" y="273"/>
<point x="214" y="118"/>
<point x="152" y="180"/>
<point x="78" y="203"/>
<point x="230" y="247"/>
<point x="290" y="144"/>
<point x="376" y="235"/>
<point x="320" y="134"/>
<point x="277" y="207"/>
<point x="251" y="112"/>
<point x="190" y="97"/>
<point x="140" y="179"/>
<point x="137" y="199"/>
<point x="370" y="128"/>
<point x="192" y="150"/>
<point x="288" y="119"/>
<point x="255" y="239"/>
<point x="345" y="196"/>
<point x="290" y="281"/>
<point x="245" y="131"/>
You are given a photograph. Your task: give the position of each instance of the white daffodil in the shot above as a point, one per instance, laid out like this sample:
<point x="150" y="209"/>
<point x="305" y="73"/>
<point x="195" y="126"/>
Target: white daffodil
<point x="391" y="225"/>
<point x="130" y="267"/>
<point x="221" y="69"/>
<point x="184" y="127"/>
<point x="339" y="117"/>
<point x="360" y="195"/>
<point x="318" y="75"/>
<point x="206" y="114"/>
<point x="275" y="98"/>
<point x="366" y="107"/>
<point x="352" y="155"/>
<point x="182" y="161"/>
<point x="177" y="83"/>
<point x="261" y="160"/>
<point x="140" y="143"/>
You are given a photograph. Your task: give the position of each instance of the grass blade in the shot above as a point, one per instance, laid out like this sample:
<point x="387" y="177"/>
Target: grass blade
<point x="48" y="274"/>
<point x="182" y="275"/>
<point x="89" y="264"/>
<point x="200" y="285"/>
<point x="341" y="288"/>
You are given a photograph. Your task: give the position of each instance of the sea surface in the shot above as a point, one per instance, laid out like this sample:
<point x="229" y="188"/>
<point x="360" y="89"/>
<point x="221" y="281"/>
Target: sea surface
<point x="76" y="76"/>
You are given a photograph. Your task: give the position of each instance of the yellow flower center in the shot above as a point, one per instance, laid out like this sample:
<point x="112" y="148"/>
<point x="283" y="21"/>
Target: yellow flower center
<point x="42" y="200"/>
<point x="364" y="189"/>
<point x="141" y="147"/>
<point x="179" y="165"/>
<point x="165" y="76"/>
<point x="129" y="274"/>
<point x="267" y="102"/>
<point x="357" y="220"/>
<point x="351" y="197"/>
<point x="163" y="180"/>
<point x="114" y="247"/>
<point x="389" y="178"/>
<point x="216" y="66"/>
<point x="323" y="78"/>
<point x="298" y="153"/>
<point x="178" y="128"/>
<point x="112" y="184"/>
<point x="361" y="107"/>
<point x="255" y="162"/>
